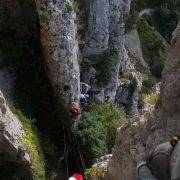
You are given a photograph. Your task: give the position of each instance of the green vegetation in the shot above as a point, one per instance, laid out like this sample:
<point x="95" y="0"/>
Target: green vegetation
<point x="166" y="21"/>
<point x="166" y="18"/>
<point x="94" y="171"/>
<point x="69" y="7"/>
<point x="171" y="4"/>
<point x="32" y="143"/>
<point x="44" y="18"/>
<point x="151" y="99"/>
<point x="75" y="6"/>
<point x="97" y="130"/>
<point x="146" y="89"/>
<point x="163" y="21"/>
<point x="131" y="21"/>
<point x="93" y="135"/>
<point x="147" y="85"/>
<point x="154" y="48"/>
<point x="105" y="64"/>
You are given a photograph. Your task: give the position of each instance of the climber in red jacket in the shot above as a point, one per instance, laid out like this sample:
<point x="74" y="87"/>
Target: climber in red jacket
<point x="74" y="110"/>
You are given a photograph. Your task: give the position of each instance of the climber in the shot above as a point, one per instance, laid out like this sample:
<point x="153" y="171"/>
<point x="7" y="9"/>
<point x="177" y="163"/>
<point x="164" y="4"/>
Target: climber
<point x="85" y="88"/>
<point x="76" y="177"/>
<point x="107" y="98"/>
<point x="84" y="100"/>
<point x="164" y="161"/>
<point x="74" y="110"/>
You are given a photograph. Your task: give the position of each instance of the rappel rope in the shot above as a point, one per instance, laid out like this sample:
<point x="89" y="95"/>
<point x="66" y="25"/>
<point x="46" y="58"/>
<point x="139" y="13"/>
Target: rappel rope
<point x="80" y="153"/>
<point x="79" y="150"/>
<point x="74" y="150"/>
<point x="66" y="153"/>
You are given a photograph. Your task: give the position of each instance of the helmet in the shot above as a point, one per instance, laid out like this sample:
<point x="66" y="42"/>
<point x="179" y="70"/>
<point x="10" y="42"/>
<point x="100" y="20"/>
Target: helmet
<point x="72" y="178"/>
<point x="174" y="140"/>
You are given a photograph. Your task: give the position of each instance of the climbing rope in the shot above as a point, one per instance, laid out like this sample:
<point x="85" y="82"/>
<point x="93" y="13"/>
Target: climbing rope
<point x="78" y="148"/>
<point x="66" y="153"/>
<point x="80" y="152"/>
<point x="74" y="150"/>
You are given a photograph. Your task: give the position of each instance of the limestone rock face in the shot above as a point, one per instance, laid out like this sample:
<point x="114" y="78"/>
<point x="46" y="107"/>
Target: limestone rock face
<point x="135" y="139"/>
<point x="102" y="162"/>
<point x="130" y="148"/>
<point x="170" y="91"/>
<point x="135" y="88"/>
<point x="127" y="94"/>
<point x="60" y="48"/>
<point x="98" y="28"/>
<point x="104" y="43"/>
<point x="133" y="46"/>
<point x="106" y="54"/>
<point x="11" y="133"/>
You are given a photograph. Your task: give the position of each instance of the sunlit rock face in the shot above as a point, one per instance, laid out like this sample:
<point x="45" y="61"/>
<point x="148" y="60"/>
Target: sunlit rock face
<point x="104" y="45"/>
<point x="60" y="48"/>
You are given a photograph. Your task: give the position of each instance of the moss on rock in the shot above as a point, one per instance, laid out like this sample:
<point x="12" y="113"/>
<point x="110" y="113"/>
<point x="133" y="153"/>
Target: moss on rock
<point x="31" y="141"/>
<point x="154" y="47"/>
<point x="105" y="64"/>
<point x="93" y="172"/>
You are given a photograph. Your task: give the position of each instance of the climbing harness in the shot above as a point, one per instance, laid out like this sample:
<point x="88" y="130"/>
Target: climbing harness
<point x="84" y="101"/>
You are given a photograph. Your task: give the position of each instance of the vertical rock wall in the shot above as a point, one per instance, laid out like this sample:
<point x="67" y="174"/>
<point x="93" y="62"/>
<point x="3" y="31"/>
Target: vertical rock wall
<point x="60" y="48"/>
<point x="104" y="47"/>
<point x="135" y="139"/>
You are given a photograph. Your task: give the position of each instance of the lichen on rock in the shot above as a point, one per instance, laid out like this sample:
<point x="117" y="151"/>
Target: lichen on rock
<point x="19" y="147"/>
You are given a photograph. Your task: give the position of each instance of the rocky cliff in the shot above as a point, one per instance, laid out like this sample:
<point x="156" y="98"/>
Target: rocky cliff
<point x="152" y="127"/>
<point x="47" y="48"/>
<point x="104" y="45"/>
<point x="60" y="48"/>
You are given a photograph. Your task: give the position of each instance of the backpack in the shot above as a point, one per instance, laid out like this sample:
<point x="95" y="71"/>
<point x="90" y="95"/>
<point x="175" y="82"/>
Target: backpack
<point x="159" y="161"/>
